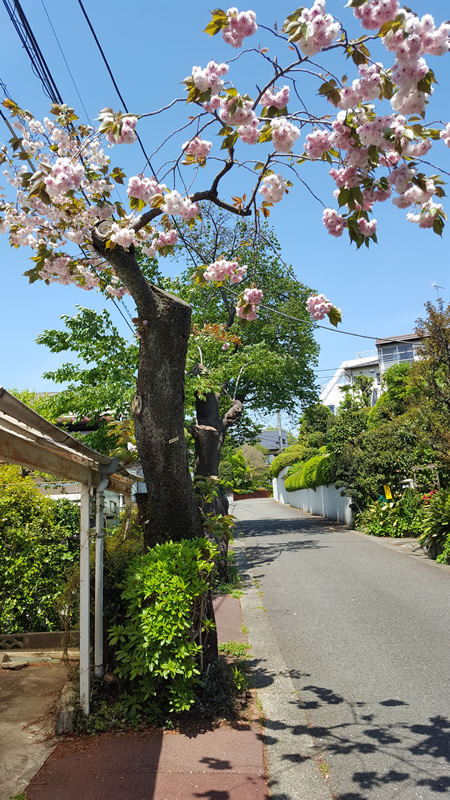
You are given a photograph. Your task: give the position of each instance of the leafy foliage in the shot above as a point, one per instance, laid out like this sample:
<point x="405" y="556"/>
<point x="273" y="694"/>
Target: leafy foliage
<point x="38" y="546"/>
<point x="307" y="476"/>
<point x="159" y="642"/>
<point x="436" y="530"/>
<point x="402" y="516"/>
<point x="293" y="454"/>
<point x="101" y="380"/>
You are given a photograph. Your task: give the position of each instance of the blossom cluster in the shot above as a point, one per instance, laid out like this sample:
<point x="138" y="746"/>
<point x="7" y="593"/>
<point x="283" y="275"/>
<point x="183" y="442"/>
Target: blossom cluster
<point x="318" y="306"/>
<point x="375" y="13"/>
<point x="277" y="99"/>
<point x="334" y="223"/>
<point x="160" y="242"/>
<point x="248" y="304"/>
<point x="127" y="133"/>
<point x="197" y="147"/>
<point x="241" y="24"/>
<point x="144" y="188"/>
<point x="222" y="269"/>
<point x="365" y="88"/>
<point x="317" y="143"/>
<point x="320" y="28"/>
<point x="66" y="176"/>
<point x="210" y="77"/>
<point x="177" y="205"/>
<point x="284" y="134"/>
<point x="273" y="188"/>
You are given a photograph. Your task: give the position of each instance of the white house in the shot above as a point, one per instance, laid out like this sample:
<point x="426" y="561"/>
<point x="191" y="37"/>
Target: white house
<point x="392" y="350"/>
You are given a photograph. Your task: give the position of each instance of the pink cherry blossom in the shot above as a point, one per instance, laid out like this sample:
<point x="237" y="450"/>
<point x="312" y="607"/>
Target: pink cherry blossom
<point x="144" y="188"/>
<point x="333" y="222"/>
<point x="321" y="28"/>
<point x="318" y="306"/>
<point x="177" y="205"/>
<point x="197" y="147"/>
<point x="273" y="188"/>
<point x="367" y="227"/>
<point x="445" y="135"/>
<point x="240" y="25"/>
<point x="123" y="236"/>
<point x="127" y="134"/>
<point x="210" y="77"/>
<point x="317" y="143"/>
<point x="284" y="134"/>
<point x="66" y="176"/>
<point x="375" y="13"/>
<point x="278" y="99"/>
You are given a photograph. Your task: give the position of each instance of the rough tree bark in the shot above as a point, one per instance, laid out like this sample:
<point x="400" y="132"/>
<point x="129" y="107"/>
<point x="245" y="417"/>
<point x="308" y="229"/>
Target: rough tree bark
<point x="209" y="434"/>
<point x="158" y="405"/>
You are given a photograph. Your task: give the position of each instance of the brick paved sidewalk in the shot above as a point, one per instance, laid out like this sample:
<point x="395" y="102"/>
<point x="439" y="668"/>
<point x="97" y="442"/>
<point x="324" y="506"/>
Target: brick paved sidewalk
<point x="222" y="764"/>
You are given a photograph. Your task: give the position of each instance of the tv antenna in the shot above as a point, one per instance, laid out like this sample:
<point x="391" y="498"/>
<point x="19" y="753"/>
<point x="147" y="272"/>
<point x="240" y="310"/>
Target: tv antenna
<point x="437" y="287"/>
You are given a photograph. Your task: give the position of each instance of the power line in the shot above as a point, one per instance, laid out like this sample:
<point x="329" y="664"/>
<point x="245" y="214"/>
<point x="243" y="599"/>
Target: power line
<point x="38" y="62"/>
<point x="65" y="61"/>
<point x="105" y="60"/>
<point x="306" y="322"/>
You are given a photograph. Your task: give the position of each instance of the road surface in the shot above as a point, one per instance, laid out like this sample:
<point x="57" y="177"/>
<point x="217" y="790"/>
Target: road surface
<point x="360" y="630"/>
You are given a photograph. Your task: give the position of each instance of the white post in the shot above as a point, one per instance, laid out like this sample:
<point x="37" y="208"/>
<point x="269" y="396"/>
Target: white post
<point x="99" y="529"/>
<point x="84" y="598"/>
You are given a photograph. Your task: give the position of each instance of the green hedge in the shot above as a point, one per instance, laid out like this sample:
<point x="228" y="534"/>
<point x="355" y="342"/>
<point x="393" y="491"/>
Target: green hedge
<point x="39" y="543"/>
<point x="315" y="472"/>
<point x="292" y="454"/>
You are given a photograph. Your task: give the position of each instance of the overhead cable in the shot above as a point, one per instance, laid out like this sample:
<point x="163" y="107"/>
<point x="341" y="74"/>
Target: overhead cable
<point x="110" y="73"/>
<point x="38" y="62"/>
<point x="65" y="61"/>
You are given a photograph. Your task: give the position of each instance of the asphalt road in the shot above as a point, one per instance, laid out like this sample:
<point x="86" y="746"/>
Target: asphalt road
<point x="362" y="628"/>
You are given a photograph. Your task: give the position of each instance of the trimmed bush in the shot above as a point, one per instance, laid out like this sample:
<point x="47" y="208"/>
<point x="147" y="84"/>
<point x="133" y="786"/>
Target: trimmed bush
<point x="294" y="453"/>
<point x="159" y="645"/>
<point x="325" y="471"/>
<point x="306" y="477"/>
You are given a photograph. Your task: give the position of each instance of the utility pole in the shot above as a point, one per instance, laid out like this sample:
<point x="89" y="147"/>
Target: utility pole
<point x="280" y="435"/>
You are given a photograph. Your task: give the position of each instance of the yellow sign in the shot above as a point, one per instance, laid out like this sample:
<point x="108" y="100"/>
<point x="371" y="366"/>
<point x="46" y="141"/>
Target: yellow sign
<point x="387" y="492"/>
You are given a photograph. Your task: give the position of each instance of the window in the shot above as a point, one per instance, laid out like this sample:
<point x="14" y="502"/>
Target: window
<point x="396" y="353"/>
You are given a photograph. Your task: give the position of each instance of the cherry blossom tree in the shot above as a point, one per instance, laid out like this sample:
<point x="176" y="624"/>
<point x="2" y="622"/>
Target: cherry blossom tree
<point x="372" y="131"/>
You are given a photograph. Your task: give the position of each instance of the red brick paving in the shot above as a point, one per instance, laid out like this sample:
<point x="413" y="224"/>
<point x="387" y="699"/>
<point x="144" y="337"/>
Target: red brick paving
<point x="226" y="763"/>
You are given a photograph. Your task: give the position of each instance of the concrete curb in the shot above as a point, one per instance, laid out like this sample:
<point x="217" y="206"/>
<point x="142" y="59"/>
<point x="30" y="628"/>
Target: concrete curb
<point x="65" y="711"/>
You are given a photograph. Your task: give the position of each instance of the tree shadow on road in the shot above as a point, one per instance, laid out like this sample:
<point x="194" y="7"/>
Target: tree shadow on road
<point x="417" y="754"/>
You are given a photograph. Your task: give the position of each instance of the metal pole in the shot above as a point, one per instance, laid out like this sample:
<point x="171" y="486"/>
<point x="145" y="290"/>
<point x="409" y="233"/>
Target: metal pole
<point x="280" y="435"/>
<point x="99" y="531"/>
<point x="85" y="497"/>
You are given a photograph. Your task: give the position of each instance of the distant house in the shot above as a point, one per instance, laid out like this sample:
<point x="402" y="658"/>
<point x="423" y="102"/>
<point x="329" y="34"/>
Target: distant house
<point x="390" y="351"/>
<point x="397" y="350"/>
<point x="270" y="440"/>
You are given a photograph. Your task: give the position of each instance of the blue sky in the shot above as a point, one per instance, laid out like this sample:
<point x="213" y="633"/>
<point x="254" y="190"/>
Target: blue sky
<point x="151" y="47"/>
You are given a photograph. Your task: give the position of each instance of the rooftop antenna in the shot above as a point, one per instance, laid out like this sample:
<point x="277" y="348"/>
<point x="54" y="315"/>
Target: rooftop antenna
<point x="437" y="287"/>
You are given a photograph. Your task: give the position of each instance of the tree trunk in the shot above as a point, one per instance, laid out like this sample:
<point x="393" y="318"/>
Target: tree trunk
<point x="158" y="405"/>
<point x="209" y="435"/>
<point x="158" y="412"/>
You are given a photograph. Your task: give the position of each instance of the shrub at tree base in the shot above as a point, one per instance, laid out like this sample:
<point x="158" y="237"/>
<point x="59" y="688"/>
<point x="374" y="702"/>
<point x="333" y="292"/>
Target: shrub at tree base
<point x="309" y="476"/>
<point x="159" y="644"/>
<point x="38" y="546"/>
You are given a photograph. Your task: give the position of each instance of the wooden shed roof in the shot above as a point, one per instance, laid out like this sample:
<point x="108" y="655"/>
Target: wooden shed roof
<point x="29" y="440"/>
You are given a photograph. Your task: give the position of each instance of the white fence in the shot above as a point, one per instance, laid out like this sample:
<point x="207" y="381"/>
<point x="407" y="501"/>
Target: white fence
<point x="325" y="501"/>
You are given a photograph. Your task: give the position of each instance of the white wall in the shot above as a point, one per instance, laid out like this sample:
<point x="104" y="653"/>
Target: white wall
<point x="325" y="501"/>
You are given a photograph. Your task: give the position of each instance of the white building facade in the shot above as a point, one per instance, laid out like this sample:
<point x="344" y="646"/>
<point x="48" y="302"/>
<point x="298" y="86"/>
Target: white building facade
<point x="389" y="351"/>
